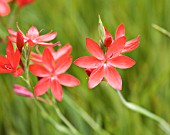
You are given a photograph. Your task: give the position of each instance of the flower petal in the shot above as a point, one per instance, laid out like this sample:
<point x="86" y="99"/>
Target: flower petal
<point x="3" y="60"/>
<point x="36" y="57"/>
<point x="96" y="77"/>
<point x="94" y="49"/>
<point x="47" y="44"/>
<point x="4" y="8"/>
<point x="131" y="45"/>
<point x="113" y="78"/>
<point x="48" y="59"/>
<point x="65" y="50"/>
<point x="63" y="64"/>
<point x="88" y="62"/>
<point x="32" y="33"/>
<point x="122" y="62"/>
<point x="39" y="70"/>
<point x="56" y="89"/>
<point x="47" y="37"/>
<point x="10" y="51"/>
<point x="116" y="47"/>
<point x="16" y="59"/>
<point x="42" y="86"/>
<point x="68" y="80"/>
<point x="12" y="32"/>
<point x="18" y="72"/>
<point x="120" y="31"/>
<point x="20" y="90"/>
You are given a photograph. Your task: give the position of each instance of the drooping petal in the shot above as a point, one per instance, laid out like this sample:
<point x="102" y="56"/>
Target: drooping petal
<point x="47" y="37"/>
<point x="48" y="59"/>
<point x="68" y="80"/>
<point x="39" y="70"/>
<point x="32" y="33"/>
<point x="65" y="50"/>
<point x="116" y="47"/>
<point x="88" y="62"/>
<point x="96" y="77"/>
<point x="42" y="86"/>
<point x="120" y="31"/>
<point x="20" y="90"/>
<point x="131" y="45"/>
<point x="122" y="62"/>
<point x="56" y="89"/>
<point x="63" y="64"/>
<point x="113" y="78"/>
<point x="18" y="72"/>
<point x="94" y="49"/>
<point x="4" y="8"/>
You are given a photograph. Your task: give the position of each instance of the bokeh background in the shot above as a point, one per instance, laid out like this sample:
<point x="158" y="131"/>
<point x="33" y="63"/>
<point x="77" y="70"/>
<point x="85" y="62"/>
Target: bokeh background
<point x="146" y="84"/>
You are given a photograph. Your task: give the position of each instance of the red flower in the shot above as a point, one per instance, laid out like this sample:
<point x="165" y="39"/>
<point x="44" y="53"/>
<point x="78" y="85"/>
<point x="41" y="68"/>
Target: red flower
<point x="33" y="37"/>
<point x="4" y="7"/>
<point x="129" y="46"/>
<point x="10" y="63"/>
<point x="22" y="3"/>
<point x="52" y="74"/>
<point x="102" y="65"/>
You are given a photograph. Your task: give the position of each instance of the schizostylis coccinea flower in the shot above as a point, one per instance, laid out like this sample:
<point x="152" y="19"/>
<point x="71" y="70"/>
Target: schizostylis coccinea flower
<point x="10" y="63"/>
<point x="52" y="74"/>
<point x="33" y="37"/>
<point x="104" y="63"/>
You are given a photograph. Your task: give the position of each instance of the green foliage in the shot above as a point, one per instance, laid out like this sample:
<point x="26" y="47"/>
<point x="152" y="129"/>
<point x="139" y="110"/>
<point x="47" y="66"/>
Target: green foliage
<point x="147" y="83"/>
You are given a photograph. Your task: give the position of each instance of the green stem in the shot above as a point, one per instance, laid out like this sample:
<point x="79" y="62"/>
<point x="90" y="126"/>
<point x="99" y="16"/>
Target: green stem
<point x="56" y="125"/>
<point x="162" y="123"/>
<point x="62" y="117"/>
<point x="85" y="116"/>
<point x="162" y="30"/>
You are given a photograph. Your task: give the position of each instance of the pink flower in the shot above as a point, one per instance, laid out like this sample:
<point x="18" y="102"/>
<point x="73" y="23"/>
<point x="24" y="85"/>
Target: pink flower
<point x="20" y="90"/>
<point x="33" y="37"/>
<point x="102" y="65"/>
<point x="52" y="74"/>
<point x="4" y="7"/>
<point x="9" y="64"/>
<point x="129" y="46"/>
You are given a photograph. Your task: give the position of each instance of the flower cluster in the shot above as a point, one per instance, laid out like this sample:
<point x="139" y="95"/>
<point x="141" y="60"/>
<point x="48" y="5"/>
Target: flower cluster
<point x="5" y="8"/>
<point x="101" y="65"/>
<point x="49" y="67"/>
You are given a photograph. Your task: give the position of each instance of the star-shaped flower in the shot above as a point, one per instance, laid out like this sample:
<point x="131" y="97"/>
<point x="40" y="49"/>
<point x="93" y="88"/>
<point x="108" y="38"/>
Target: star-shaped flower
<point x="103" y="65"/>
<point x="52" y="74"/>
<point x="9" y="64"/>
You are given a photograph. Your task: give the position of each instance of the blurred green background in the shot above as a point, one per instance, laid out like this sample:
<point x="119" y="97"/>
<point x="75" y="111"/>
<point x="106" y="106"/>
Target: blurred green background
<point x="146" y="84"/>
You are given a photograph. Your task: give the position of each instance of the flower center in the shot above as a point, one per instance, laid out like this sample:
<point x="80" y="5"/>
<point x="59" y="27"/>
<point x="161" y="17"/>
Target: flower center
<point x="7" y="66"/>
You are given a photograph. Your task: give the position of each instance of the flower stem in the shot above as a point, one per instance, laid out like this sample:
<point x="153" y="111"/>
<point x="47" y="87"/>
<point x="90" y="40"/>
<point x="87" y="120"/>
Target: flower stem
<point x="56" y="125"/>
<point x="85" y="116"/>
<point x="62" y="117"/>
<point x="162" y="123"/>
